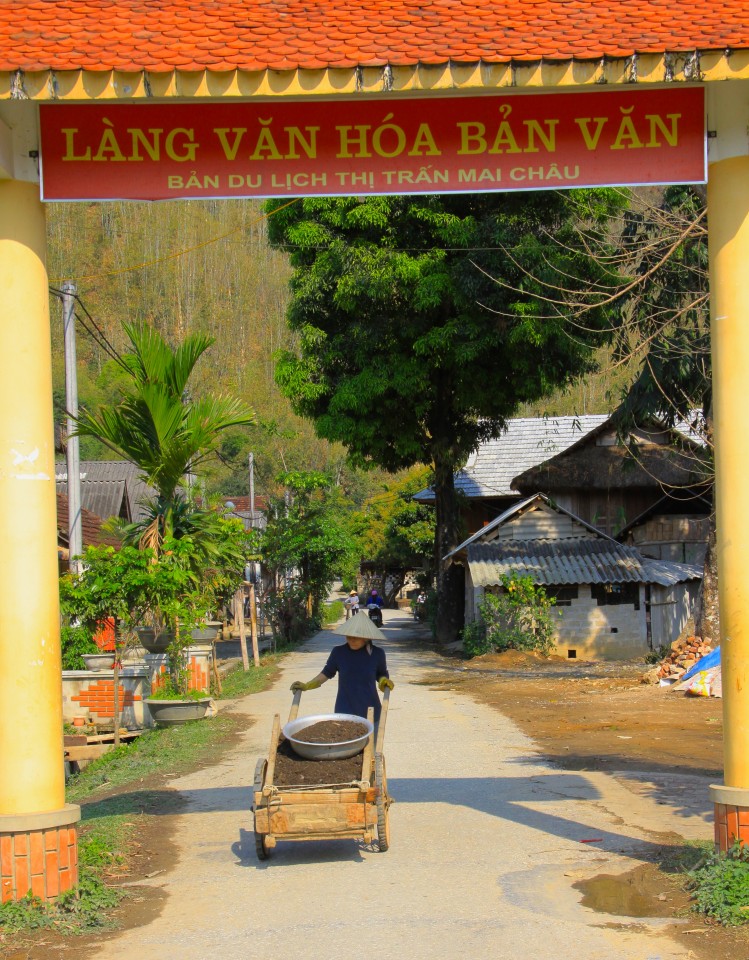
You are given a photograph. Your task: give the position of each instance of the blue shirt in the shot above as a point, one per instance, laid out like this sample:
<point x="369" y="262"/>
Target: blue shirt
<point x="358" y="672"/>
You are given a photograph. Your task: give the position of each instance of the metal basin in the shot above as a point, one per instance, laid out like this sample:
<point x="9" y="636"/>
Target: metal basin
<point x="327" y="751"/>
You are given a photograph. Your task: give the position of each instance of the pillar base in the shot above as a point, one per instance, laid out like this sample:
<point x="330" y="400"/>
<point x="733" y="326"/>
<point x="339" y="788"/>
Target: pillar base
<point x="39" y="853"/>
<point x="731" y="816"/>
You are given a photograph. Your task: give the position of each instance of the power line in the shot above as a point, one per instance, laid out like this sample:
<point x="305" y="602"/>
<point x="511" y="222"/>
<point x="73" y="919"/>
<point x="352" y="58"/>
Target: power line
<point x="97" y="334"/>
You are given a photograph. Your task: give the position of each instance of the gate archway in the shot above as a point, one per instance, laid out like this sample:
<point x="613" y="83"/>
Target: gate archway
<point x="88" y="62"/>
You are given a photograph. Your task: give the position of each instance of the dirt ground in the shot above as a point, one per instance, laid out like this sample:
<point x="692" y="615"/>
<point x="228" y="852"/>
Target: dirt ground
<point x="596" y="716"/>
<point x="581" y="716"/>
<point x="600" y="716"/>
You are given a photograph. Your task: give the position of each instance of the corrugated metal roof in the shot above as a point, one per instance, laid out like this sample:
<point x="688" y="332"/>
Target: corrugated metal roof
<point x="104" y="486"/>
<point x="667" y="573"/>
<point x="525" y="443"/>
<point x="554" y="563"/>
<point x="102" y="497"/>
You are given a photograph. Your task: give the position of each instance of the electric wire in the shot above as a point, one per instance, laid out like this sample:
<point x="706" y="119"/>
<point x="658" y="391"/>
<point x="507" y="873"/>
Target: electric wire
<point x="96" y="334"/>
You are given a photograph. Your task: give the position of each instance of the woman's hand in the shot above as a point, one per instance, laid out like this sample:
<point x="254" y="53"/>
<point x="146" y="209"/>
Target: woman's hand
<point x="311" y="685"/>
<point x="385" y="683"/>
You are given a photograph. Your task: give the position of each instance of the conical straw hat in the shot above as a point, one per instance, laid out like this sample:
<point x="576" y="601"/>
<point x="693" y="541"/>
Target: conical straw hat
<point x="360" y="626"/>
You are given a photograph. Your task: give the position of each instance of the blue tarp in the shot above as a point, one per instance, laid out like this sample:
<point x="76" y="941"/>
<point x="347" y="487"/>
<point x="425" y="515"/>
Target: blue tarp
<point x="711" y="659"/>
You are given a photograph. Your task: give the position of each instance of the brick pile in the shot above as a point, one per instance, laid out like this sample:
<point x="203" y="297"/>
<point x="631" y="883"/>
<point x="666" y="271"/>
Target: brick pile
<point x="683" y="656"/>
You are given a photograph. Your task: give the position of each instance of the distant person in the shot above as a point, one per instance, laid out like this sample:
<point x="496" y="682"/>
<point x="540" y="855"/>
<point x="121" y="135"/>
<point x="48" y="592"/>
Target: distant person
<point x="351" y="603"/>
<point x="374" y="597"/>
<point x="420" y="607"/>
<point x="375" y="603"/>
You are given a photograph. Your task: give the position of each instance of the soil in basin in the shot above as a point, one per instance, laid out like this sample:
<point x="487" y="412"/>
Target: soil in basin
<point x="331" y="731"/>
<point x="292" y="770"/>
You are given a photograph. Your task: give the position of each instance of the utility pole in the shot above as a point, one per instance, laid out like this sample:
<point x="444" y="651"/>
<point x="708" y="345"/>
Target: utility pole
<point x="252" y="489"/>
<point x="72" y="446"/>
<point x="253" y="607"/>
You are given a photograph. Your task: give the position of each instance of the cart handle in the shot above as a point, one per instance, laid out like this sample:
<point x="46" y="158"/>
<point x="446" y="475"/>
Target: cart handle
<point x="381" y="722"/>
<point x="295" y="705"/>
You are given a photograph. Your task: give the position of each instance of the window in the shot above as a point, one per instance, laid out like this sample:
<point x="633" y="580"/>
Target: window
<point x="613" y="594"/>
<point x="562" y="595"/>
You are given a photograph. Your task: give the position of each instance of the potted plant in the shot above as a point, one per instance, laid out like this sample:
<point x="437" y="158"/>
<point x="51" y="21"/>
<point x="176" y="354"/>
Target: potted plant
<point x="173" y="702"/>
<point x="113" y="584"/>
<point x="99" y="661"/>
<point x="158" y="426"/>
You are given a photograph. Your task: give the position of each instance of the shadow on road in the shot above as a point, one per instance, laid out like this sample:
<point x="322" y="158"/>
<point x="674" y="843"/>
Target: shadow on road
<point x="511" y="799"/>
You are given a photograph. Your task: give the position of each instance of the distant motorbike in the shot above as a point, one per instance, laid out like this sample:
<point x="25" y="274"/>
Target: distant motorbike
<point x="375" y="614"/>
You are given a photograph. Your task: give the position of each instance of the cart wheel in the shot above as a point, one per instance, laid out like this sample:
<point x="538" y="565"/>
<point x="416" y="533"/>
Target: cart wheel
<point x="383" y="814"/>
<point x="260" y="769"/>
<point x="260" y="848"/>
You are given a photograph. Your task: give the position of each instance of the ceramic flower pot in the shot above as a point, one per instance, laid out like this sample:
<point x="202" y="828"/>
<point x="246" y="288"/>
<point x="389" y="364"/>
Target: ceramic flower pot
<point x="171" y="713"/>
<point x="98" y="661"/>
<point x="154" y="642"/>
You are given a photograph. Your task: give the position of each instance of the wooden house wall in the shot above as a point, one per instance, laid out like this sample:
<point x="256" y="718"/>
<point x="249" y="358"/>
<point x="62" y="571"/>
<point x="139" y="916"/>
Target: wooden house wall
<point x="475" y="514"/>
<point x="606" y="510"/>
<point x="680" y="539"/>
<point x="540" y="523"/>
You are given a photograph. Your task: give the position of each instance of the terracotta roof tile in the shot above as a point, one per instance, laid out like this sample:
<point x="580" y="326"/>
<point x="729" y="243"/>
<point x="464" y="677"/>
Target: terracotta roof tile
<point x="157" y="35"/>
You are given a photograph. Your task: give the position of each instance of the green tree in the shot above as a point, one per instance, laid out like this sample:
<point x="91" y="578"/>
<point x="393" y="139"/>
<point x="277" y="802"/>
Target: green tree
<point x="408" y="351"/>
<point x="307" y="543"/>
<point x="397" y="532"/>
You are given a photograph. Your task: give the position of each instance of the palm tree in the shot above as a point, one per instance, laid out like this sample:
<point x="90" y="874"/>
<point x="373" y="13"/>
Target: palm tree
<point x="166" y="434"/>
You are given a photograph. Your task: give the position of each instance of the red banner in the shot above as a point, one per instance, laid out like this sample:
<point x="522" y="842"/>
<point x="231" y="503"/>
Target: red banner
<point x="517" y="141"/>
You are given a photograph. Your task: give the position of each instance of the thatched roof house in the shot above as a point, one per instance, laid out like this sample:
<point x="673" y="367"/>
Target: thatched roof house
<point x="608" y="483"/>
<point x="486" y="480"/>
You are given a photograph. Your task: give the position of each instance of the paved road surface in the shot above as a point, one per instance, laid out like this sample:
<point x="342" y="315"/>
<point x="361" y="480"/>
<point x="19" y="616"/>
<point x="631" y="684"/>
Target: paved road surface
<point x="486" y="842"/>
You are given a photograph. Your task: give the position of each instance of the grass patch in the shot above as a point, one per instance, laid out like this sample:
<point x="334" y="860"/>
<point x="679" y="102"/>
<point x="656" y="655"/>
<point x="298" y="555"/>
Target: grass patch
<point x="86" y="908"/>
<point x="719" y="885"/>
<point x="332" y="612"/>
<point x="156" y="751"/>
<point x="109" y="827"/>
<point x="239" y="682"/>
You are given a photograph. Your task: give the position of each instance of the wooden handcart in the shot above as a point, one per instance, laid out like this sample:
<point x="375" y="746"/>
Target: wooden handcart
<point x="357" y="810"/>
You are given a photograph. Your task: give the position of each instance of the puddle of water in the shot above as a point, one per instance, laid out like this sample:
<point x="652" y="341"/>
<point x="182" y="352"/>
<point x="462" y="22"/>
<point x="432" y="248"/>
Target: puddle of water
<point x="631" y="894"/>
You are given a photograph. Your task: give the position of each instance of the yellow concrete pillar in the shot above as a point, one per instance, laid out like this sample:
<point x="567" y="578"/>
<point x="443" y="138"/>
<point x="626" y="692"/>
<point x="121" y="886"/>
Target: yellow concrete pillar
<point x="728" y="225"/>
<point x="37" y="830"/>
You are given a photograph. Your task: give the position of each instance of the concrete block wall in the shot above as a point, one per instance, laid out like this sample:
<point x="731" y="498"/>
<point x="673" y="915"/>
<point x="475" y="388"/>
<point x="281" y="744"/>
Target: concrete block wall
<point x="613" y="632"/>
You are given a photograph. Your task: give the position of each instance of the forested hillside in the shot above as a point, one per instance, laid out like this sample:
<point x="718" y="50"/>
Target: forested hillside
<point x="186" y="267"/>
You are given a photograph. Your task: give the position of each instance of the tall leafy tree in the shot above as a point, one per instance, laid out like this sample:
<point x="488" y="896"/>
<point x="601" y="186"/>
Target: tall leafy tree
<point x="397" y="532"/>
<point x="307" y="543"/>
<point x="408" y="350"/>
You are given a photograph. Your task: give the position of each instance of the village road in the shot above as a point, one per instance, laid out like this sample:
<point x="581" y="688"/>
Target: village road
<point x="486" y="844"/>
